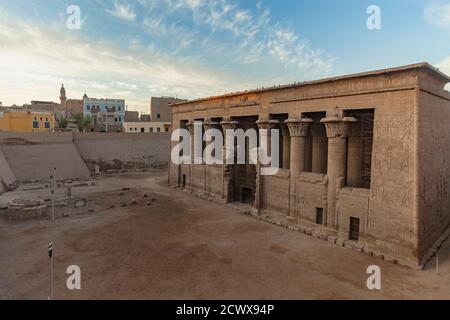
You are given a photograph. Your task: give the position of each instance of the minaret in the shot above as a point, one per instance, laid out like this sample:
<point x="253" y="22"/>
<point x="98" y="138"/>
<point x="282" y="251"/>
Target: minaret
<point x="62" y="97"/>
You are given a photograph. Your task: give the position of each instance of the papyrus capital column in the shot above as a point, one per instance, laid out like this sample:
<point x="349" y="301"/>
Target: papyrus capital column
<point x="190" y="127"/>
<point x="298" y="129"/>
<point x="228" y="128"/>
<point x="337" y="133"/>
<point x="268" y="126"/>
<point x="338" y="128"/>
<point x="286" y="146"/>
<point x="208" y="125"/>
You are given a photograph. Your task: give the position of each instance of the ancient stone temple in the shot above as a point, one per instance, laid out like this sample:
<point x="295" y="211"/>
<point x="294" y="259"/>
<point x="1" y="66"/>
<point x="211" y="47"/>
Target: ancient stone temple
<point x="365" y="158"/>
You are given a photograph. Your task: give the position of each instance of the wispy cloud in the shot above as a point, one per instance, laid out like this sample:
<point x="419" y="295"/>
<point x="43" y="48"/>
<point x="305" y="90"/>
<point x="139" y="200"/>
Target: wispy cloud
<point x="40" y="58"/>
<point x="122" y="11"/>
<point x="246" y="37"/>
<point x="437" y="13"/>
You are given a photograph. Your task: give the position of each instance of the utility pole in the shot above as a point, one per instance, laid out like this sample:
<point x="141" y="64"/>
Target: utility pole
<point x="437" y="264"/>
<point x="50" y="255"/>
<point x="52" y="187"/>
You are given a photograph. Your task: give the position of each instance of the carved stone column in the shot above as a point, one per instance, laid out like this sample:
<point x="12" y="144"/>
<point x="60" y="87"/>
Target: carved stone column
<point x="190" y="127"/>
<point x="298" y="129"/>
<point x="208" y="125"/>
<point x="228" y="128"/>
<point x="286" y="146"/>
<point x="268" y="126"/>
<point x="337" y="133"/>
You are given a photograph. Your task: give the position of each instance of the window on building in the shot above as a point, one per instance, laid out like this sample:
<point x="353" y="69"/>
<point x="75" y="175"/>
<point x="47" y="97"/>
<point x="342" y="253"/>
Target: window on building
<point x="316" y="156"/>
<point x="35" y="124"/>
<point x="319" y="216"/>
<point x="158" y="130"/>
<point x="158" y="116"/>
<point x="359" y="149"/>
<point x="115" y="119"/>
<point x="88" y="108"/>
<point x="35" y="119"/>
<point x="353" y="233"/>
<point x="119" y="108"/>
<point x="47" y="125"/>
<point x="151" y="130"/>
<point x="41" y="118"/>
<point x="120" y="119"/>
<point x="142" y="130"/>
<point x="167" y="129"/>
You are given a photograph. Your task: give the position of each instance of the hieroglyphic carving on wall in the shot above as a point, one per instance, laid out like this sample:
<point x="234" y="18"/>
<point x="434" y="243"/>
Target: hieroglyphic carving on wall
<point x="434" y="190"/>
<point x="391" y="157"/>
<point x="395" y="129"/>
<point x="395" y="196"/>
<point x="371" y="219"/>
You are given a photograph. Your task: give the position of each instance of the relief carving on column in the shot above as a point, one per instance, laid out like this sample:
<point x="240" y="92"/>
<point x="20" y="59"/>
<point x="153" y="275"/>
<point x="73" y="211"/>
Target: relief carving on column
<point x="268" y="125"/>
<point x="210" y="125"/>
<point x="284" y="130"/>
<point x="338" y="128"/>
<point x="190" y="127"/>
<point x="229" y="125"/>
<point x="298" y="127"/>
<point x="228" y="168"/>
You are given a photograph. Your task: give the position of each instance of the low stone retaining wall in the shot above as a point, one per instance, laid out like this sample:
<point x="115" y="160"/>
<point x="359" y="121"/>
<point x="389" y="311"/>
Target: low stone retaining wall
<point x="26" y="209"/>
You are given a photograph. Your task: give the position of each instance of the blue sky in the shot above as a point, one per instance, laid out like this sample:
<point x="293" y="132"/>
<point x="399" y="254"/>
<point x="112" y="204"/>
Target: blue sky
<point x="135" y="49"/>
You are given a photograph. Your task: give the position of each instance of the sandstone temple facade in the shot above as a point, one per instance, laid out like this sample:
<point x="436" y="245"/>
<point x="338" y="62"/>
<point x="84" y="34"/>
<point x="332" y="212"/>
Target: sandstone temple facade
<point x="364" y="157"/>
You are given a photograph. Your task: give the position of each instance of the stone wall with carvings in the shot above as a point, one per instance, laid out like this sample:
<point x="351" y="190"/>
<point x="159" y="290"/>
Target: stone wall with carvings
<point x="433" y="168"/>
<point x="390" y="221"/>
<point x="408" y="204"/>
<point x="276" y="192"/>
<point x="310" y="193"/>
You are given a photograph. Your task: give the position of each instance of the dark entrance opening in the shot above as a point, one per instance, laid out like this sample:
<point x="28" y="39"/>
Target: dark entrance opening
<point x="244" y="175"/>
<point x="354" y="229"/>
<point x="183" y="182"/>
<point x="247" y="195"/>
<point x="359" y="151"/>
<point x="319" y="216"/>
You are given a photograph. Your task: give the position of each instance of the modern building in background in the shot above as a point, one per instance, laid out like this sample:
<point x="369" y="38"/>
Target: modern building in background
<point x="132" y="116"/>
<point x="19" y="120"/>
<point x="108" y="114"/>
<point x="160" y="110"/>
<point x="66" y="108"/>
<point x="146" y="127"/>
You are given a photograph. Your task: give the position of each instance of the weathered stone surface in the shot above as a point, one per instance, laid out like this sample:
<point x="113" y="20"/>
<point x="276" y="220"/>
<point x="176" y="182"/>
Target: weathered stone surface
<point x="347" y="166"/>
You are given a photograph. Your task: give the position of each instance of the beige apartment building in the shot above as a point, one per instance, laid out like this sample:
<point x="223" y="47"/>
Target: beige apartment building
<point x="146" y="127"/>
<point x="365" y="158"/>
<point x="160" y="110"/>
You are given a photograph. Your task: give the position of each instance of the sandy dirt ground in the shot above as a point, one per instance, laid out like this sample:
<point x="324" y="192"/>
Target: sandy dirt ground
<point x="154" y="242"/>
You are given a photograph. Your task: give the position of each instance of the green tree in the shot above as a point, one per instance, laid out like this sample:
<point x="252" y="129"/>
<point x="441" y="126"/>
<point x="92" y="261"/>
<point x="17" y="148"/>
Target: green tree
<point x="83" y="122"/>
<point x="63" y="122"/>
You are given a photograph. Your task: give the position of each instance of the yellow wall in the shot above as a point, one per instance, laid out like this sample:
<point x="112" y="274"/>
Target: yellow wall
<point x="17" y="121"/>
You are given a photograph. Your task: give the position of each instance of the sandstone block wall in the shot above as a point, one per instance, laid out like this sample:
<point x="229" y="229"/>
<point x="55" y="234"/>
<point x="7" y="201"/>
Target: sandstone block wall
<point x="406" y="208"/>
<point x="433" y="189"/>
<point x="123" y="151"/>
<point x="33" y="156"/>
<point x="8" y="179"/>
